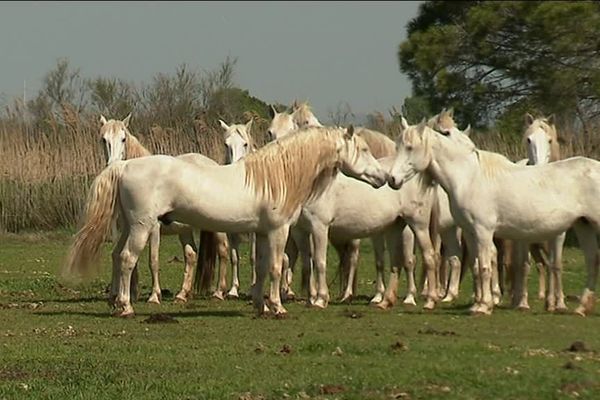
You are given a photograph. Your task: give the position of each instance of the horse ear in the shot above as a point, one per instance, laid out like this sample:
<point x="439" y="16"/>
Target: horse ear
<point x="223" y="124"/>
<point x="126" y="120"/>
<point x="249" y="125"/>
<point x="403" y="123"/>
<point x="103" y="120"/>
<point x="272" y="111"/>
<point x="529" y="119"/>
<point x="422" y="125"/>
<point x="551" y="119"/>
<point x="349" y="131"/>
<point x="450" y="112"/>
<point x="467" y="130"/>
<point x="295" y="104"/>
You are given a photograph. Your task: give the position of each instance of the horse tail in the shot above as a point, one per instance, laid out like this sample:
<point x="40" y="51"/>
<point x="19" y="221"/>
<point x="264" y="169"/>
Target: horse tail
<point x="205" y="267"/>
<point x="99" y="209"/>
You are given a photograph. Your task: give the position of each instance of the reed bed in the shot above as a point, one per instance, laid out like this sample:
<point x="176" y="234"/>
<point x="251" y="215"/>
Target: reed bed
<point x="45" y="173"/>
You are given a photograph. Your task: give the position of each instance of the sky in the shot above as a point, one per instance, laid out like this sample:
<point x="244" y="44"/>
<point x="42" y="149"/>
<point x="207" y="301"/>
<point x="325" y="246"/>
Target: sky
<point x="326" y="53"/>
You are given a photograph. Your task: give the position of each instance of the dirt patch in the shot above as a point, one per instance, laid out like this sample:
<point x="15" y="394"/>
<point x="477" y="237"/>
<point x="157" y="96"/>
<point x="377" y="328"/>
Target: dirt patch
<point x="432" y="331"/>
<point x="331" y="389"/>
<point x="286" y="349"/>
<point x="160" y="319"/>
<point x="578" y="347"/>
<point x="12" y="374"/>
<point x="352" y="314"/>
<point x="399" y="346"/>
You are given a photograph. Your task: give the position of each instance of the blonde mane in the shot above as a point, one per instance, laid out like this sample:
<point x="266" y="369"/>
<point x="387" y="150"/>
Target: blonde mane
<point x="379" y="144"/>
<point x="133" y="147"/>
<point x="291" y="170"/>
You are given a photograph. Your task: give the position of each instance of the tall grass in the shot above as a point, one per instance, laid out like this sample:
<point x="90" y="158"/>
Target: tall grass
<point x="45" y="174"/>
<point x="46" y="170"/>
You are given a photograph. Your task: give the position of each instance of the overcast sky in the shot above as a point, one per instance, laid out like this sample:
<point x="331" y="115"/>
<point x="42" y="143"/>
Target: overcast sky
<point x="323" y="52"/>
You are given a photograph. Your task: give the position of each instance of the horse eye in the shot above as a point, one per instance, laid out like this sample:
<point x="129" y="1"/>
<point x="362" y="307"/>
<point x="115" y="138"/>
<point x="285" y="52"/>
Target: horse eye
<point x="103" y="140"/>
<point x="528" y="140"/>
<point x="446" y="132"/>
<point x="123" y="140"/>
<point x="409" y="148"/>
<point x="245" y="145"/>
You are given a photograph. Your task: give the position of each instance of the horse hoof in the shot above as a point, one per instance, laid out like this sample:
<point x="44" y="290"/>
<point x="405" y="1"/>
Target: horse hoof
<point x="218" y="295"/>
<point x="448" y="299"/>
<point x="523" y="307"/>
<point x="580" y="311"/>
<point x="320" y="303"/>
<point x="123" y="314"/>
<point x="154" y="299"/>
<point x="378" y="298"/>
<point x="410" y="301"/>
<point x="384" y="305"/>
<point x="429" y="305"/>
<point x="347" y="299"/>
<point x="233" y="293"/>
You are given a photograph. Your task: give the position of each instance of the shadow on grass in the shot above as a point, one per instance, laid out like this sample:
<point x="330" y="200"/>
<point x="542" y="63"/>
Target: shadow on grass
<point x="178" y="314"/>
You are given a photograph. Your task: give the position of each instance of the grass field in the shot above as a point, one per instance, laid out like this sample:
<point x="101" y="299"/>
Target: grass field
<point x="60" y="342"/>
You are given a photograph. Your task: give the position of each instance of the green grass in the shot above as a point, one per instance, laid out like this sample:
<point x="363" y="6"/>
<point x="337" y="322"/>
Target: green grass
<point x="59" y="342"/>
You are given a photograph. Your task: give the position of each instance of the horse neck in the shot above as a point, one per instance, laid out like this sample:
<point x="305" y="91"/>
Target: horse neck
<point x="134" y="148"/>
<point x="452" y="171"/>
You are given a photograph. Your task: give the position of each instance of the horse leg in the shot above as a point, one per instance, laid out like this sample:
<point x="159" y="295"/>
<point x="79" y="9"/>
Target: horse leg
<point x="429" y="264"/>
<point x="485" y="251"/>
<point x="407" y="258"/>
<point x="116" y="253"/>
<point x="292" y="251"/>
<point x="379" y="250"/>
<point x="520" y="268"/>
<point x="556" y="265"/>
<point x="222" y="251"/>
<point x="262" y="265"/>
<point x="134" y="244"/>
<point x="277" y="240"/>
<point x="496" y="292"/>
<point x="391" y="292"/>
<point x="541" y="264"/>
<point x="186" y="238"/>
<point x="453" y="256"/>
<point x="344" y="270"/>
<point x="586" y="236"/>
<point x="252" y="238"/>
<point x="154" y="245"/>
<point x="320" y="240"/>
<point x="234" y="259"/>
<point x="302" y="241"/>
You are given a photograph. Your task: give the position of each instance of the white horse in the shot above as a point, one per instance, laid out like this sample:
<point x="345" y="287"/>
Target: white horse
<point x="336" y="212"/>
<point x="239" y="143"/>
<point x="542" y="148"/>
<point x="490" y="194"/>
<point x="263" y="193"/>
<point x="120" y="144"/>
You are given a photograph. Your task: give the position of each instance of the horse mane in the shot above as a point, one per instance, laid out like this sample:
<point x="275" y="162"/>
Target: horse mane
<point x="291" y="170"/>
<point x="302" y="111"/>
<point x="443" y="120"/>
<point x="133" y="147"/>
<point x="494" y="164"/>
<point x="379" y="144"/>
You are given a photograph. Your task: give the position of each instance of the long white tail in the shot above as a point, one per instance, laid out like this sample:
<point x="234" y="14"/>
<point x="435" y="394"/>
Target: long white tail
<point x="99" y="209"/>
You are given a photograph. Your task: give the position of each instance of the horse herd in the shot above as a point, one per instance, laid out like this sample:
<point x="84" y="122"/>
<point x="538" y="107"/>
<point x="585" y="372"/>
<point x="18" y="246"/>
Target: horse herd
<point x="313" y="185"/>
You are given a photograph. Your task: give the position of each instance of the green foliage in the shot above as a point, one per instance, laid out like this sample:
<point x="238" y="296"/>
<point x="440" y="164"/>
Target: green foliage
<point x="487" y="58"/>
<point x="416" y="108"/>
